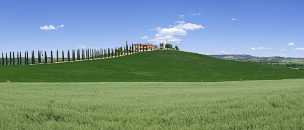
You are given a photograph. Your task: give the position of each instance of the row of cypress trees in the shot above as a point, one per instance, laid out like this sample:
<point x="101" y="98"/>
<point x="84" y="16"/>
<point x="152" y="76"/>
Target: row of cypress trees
<point x="43" y="57"/>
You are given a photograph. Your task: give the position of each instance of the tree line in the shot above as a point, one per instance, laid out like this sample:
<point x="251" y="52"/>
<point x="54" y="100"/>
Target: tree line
<point x="14" y="58"/>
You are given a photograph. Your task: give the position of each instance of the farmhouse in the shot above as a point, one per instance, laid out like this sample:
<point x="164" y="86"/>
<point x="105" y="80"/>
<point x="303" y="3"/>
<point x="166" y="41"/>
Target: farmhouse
<point x="144" y="46"/>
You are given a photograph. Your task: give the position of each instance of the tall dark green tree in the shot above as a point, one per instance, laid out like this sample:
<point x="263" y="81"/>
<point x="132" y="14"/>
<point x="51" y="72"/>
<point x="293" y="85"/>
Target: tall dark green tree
<point x="13" y="58"/>
<point x="87" y="54"/>
<point x="176" y="48"/>
<point x="62" y="55"/>
<point x="92" y="54"/>
<point x="27" y="57"/>
<point x="20" y="57"/>
<point x="112" y="52"/>
<point x="45" y="57"/>
<point x="127" y="48"/>
<point x="132" y="48"/>
<point x="33" y="57"/>
<point x="52" y="58"/>
<point x="79" y="55"/>
<point x="10" y="58"/>
<point x="73" y="55"/>
<point x="2" y="59"/>
<point x="39" y="56"/>
<point x="6" y="59"/>
<point x="109" y="53"/>
<point x="17" y="57"/>
<point x="57" y="56"/>
<point x="69" y="57"/>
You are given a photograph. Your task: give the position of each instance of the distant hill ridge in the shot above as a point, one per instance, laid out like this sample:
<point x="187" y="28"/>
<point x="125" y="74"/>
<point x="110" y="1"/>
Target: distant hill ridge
<point x="273" y="59"/>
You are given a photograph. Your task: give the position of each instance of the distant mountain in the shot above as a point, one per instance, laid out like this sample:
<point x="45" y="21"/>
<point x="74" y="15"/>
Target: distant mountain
<point x="275" y="59"/>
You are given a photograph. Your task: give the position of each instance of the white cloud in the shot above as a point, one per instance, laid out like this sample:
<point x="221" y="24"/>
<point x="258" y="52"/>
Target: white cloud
<point x="300" y="49"/>
<point x="51" y="27"/>
<point x="175" y="33"/>
<point x="291" y="44"/>
<point x="234" y="19"/>
<point x="259" y="48"/>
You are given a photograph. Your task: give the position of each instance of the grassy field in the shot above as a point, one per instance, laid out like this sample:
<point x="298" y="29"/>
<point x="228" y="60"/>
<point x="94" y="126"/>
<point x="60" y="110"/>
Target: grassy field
<point x="156" y="66"/>
<point x="129" y="106"/>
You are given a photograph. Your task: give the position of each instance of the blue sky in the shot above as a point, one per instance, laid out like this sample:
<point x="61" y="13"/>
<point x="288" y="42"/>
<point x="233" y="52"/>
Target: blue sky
<point x="256" y="27"/>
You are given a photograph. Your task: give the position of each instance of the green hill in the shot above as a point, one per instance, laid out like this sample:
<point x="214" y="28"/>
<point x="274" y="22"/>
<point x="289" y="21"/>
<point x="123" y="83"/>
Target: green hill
<point x="153" y="66"/>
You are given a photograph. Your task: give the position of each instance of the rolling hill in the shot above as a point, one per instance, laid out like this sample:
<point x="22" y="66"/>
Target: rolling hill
<point x="162" y="66"/>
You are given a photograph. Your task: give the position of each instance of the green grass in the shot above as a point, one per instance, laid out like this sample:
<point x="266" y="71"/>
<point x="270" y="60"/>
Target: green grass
<point x="165" y="66"/>
<point x="130" y="106"/>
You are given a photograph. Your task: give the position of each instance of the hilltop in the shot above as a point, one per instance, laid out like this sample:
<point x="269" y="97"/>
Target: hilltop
<point x="164" y="66"/>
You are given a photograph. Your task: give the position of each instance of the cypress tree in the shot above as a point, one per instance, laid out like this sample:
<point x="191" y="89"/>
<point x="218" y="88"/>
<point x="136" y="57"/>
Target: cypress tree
<point x="77" y="54"/>
<point x="91" y="53"/>
<point x="62" y="55"/>
<point x="115" y="52"/>
<point x="101" y="50"/>
<point x="82" y="54"/>
<point x="17" y="57"/>
<point x="27" y="57"/>
<point x="13" y="58"/>
<point x="73" y="55"/>
<point x="24" y="57"/>
<point x="97" y="53"/>
<point x="102" y="53"/>
<point x="69" y="58"/>
<point x="127" y="48"/>
<point x="108" y="53"/>
<point x="57" y="56"/>
<point x="45" y="57"/>
<point x="52" y="58"/>
<point x="10" y="58"/>
<point x="2" y="59"/>
<point x="94" y="53"/>
<point x="39" y="57"/>
<point x="112" y="52"/>
<point x="33" y="57"/>
<point x="20" y="58"/>
<point x="78" y="57"/>
<point x="6" y="58"/>
<point x="130" y="50"/>
<point x="86" y="53"/>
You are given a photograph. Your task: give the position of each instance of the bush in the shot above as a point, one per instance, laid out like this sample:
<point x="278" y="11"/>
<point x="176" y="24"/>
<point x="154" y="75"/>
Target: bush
<point x="169" y="46"/>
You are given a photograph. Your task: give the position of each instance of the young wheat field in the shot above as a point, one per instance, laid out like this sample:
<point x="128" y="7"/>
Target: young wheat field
<point x="130" y="106"/>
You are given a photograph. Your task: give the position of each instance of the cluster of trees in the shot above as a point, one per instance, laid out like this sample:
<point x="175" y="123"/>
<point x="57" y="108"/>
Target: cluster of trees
<point x="47" y="57"/>
<point x="168" y="46"/>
